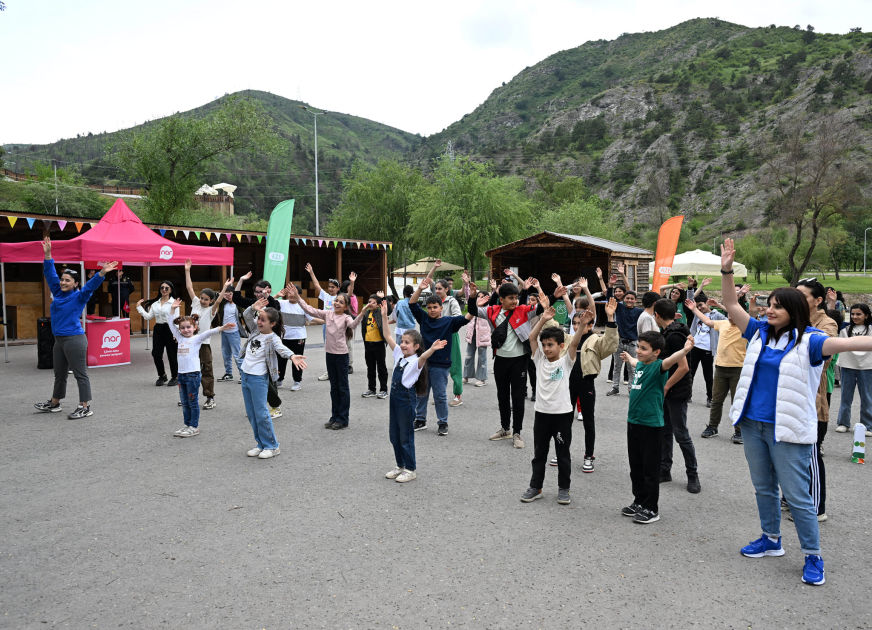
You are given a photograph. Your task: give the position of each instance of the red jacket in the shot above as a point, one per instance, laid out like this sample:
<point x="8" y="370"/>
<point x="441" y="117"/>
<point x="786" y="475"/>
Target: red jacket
<point x="519" y="321"/>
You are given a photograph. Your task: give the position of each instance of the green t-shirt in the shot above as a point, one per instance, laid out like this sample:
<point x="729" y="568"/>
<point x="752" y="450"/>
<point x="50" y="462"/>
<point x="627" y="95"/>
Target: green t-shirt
<point x="831" y="374"/>
<point x="646" y="394"/>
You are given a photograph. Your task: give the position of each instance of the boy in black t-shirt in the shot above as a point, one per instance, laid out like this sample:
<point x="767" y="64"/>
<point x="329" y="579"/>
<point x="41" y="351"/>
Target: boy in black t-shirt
<point x="645" y="421"/>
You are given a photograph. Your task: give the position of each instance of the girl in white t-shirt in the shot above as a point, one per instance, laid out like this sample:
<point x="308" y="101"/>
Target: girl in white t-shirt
<point x="187" y="333"/>
<point x="407" y="383"/>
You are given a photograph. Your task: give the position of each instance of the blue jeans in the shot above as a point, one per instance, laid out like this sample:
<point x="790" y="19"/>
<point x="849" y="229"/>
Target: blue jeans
<point x="402" y="424"/>
<point x="340" y="392"/>
<point x="189" y="394"/>
<point x="772" y="464"/>
<point x="230" y="344"/>
<point x="254" y="388"/>
<point x="863" y="381"/>
<point x="437" y="383"/>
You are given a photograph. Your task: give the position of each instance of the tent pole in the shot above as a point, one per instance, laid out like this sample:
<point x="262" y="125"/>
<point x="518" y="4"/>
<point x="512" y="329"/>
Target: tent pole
<point x="84" y="308"/>
<point x="146" y="291"/>
<point x="5" y="323"/>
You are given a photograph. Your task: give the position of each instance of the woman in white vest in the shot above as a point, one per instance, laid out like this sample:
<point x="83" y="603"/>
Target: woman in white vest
<point x="775" y="402"/>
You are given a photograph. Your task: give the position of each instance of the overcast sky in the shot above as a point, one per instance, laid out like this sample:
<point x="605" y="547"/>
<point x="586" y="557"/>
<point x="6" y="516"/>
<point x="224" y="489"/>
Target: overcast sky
<point x="100" y="65"/>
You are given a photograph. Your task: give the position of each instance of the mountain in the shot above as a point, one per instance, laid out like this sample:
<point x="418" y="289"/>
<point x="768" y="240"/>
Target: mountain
<point x="672" y="121"/>
<point x="262" y="182"/>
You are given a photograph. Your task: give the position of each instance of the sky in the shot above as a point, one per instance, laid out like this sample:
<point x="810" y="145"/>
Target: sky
<point x="103" y="65"/>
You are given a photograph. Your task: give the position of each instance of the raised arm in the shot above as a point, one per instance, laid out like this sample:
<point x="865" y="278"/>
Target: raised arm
<point x="599" y="275"/>
<point x="188" y="284"/>
<point x="220" y="297"/>
<point x="465" y="277"/>
<point x="835" y="345"/>
<point x="691" y="306"/>
<point x="309" y="310"/>
<point x="586" y="318"/>
<point x="92" y="284"/>
<point x="241" y="280"/>
<point x="312" y="275"/>
<point x="392" y="343"/>
<point x="534" y="334"/>
<point x="624" y="277"/>
<point x="352" y="277"/>
<point x="436" y="345"/>
<point x="731" y="300"/>
<point x="174" y="312"/>
<point x="421" y="286"/>
<point x="473" y="305"/>
<point x="675" y="359"/>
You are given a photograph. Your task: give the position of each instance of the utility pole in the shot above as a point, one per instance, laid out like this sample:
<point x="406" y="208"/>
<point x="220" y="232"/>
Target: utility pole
<point x="315" y="114"/>
<point x="56" y="185"/>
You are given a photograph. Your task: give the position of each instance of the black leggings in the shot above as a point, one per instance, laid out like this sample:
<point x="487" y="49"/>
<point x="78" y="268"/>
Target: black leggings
<point x="297" y="346"/>
<point x="164" y="340"/>
<point x="705" y="358"/>
<point x="583" y="393"/>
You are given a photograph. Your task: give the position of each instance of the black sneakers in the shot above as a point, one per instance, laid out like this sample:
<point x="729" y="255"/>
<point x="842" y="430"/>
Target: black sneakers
<point x="612" y="392"/>
<point x="708" y="403"/>
<point x="172" y="382"/>
<point x="644" y="516"/>
<point x="48" y="406"/>
<point x="226" y="377"/>
<point x="665" y="477"/>
<point x="709" y="431"/>
<point x="631" y="509"/>
<point x="443" y="429"/>
<point x="693" y="484"/>
<point x="531" y="495"/>
<point x="80" y="412"/>
<point x="162" y="380"/>
<point x="420" y="425"/>
<point x="737" y="439"/>
<point x="370" y="393"/>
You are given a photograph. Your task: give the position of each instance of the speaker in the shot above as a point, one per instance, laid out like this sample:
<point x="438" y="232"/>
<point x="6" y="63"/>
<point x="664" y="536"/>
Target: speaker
<point x="44" y="344"/>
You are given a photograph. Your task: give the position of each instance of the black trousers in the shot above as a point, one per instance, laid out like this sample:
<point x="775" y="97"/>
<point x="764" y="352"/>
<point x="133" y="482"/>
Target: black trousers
<point x="675" y="426"/>
<point x="548" y="426"/>
<point x="531" y="375"/>
<point x="164" y="340"/>
<point x="643" y="449"/>
<point x="510" y="374"/>
<point x="374" y="355"/>
<point x="705" y="358"/>
<point x="297" y="346"/>
<point x="583" y="393"/>
<point x="819" y="472"/>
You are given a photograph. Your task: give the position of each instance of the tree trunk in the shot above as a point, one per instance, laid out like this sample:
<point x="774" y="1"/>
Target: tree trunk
<point x="835" y="267"/>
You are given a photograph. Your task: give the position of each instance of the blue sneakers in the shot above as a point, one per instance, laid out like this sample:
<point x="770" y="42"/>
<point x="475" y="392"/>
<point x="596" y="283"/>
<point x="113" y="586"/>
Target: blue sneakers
<point x="764" y="547"/>
<point x="813" y="572"/>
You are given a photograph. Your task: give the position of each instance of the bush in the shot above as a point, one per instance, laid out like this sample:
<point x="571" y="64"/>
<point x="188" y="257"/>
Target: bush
<point x="822" y="86"/>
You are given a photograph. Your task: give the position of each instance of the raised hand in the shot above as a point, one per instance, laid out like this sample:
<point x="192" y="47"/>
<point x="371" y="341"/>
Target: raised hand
<point x="613" y="278"/>
<point x="439" y="344"/>
<point x="713" y="302"/>
<point x="46" y="247"/>
<point x="556" y="278"/>
<point x="728" y="255"/>
<point x="548" y="314"/>
<point x="559" y="292"/>
<point x="465" y="276"/>
<point x="308" y="267"/>
<point x="705" y="282"/>
<point x="508" y="272"/>
<point x="228" y="284"/>
<point x="139" y="303"/>
<point x="482" y="300"/>
<point x="384" y="309"/>
<point x="108" y="267"/>
<point x="599" y="273"/>
<point x="246" y="276"/>
<point x="291" y="290"/>
<point x="380" y="294"/>
<point x="527" y="283"/>
<point x="745" y="288"/>
<point x="493" y="284"/>
<point x="688" y="345"/>
<point x="582" y="283"/>
<point x="690" y="304"/>
<point x="545" y="302"/>
<point x="176" y="304"/>
<point x="352" y="276"/>
<point x="260" y="304"/>
<point x="426" y="282"/>
<point x="611" y="307"/>
<point x="437" y="264"/>
<point x="681" y="285"/>
<point x="587" y="317"/>
<point x="228" y="326"/>
<point x="188" y="264"/>
<point x="620" y="267"/>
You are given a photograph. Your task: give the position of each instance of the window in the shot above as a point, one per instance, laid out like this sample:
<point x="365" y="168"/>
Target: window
<point x="631" y="276"/>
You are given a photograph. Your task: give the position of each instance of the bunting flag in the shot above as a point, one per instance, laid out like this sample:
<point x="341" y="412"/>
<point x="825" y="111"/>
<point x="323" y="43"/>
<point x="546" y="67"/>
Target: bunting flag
<point x="186" y="233"/>
<point x="297" y="241"/>
<point x="391" y="246"/>
<point x="336" y="244"/>
<point x="320" y="242"/>
<point x="12" y="221"/>
<point x="162" y="232"/>
<point x="239" y="237"/>
<point x="197" y="234"/>
<point x="175" y="232"/>
<point x="30" y="223"/>
<point x="248" y="236"/>
<point x="79" y="227"/>
<point x="92" y="224"/>
<point x="304" y="241"/>
<point x="208" y="234"/>
<point x="343" y="244"/>
<point x="217" y="236"/>
<point x="63" y="224"/>
<point x="259" y="238"/>
<point x="47" y="223"/>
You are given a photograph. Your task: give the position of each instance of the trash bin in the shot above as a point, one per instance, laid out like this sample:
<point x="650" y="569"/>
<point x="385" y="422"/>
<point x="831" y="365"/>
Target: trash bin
<point x="44" y="344"/>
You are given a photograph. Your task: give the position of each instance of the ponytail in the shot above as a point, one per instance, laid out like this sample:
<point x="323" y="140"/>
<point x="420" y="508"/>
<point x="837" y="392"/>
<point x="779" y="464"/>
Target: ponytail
<point x="194" y="319"/>
<point x="275" y="319"/>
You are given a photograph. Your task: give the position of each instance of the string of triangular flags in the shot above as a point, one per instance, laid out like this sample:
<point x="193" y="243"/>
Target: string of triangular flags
<point x="47" y="224"/>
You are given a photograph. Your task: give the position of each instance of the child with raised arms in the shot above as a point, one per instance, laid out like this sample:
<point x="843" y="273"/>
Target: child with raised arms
<point x="409" y="381"/>
<point x="645" y="420"/>
<point x="189" y="338"/>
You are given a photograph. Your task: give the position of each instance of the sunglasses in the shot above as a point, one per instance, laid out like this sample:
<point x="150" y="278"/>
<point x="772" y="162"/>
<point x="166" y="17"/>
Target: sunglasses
<point x="164" y="288"/>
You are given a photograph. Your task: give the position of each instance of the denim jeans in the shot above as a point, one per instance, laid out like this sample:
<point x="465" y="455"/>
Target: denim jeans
<point x="401" y="428"/>
<point x="863" y="380"/>
<point x="630" y="348"/>
<point x="254" y="388"/>
<point x="773" y="464"/>
<point x="189" y="394"/>
<point x="469" y="365"/>
<point x="340" y="392"/>
<point x="437" y="383"/>
<point x="230" y="345"/>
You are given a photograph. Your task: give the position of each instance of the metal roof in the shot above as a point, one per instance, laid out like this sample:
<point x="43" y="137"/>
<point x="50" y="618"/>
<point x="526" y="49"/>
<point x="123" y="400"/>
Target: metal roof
<point x="605" y="243"/>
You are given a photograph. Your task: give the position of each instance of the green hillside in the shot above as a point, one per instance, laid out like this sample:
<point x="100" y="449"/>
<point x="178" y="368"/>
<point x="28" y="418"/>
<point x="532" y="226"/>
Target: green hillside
<point x="262" y="182"/>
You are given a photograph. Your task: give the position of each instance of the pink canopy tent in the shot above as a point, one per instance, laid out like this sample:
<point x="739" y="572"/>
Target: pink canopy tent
<point x="121" y="236"/>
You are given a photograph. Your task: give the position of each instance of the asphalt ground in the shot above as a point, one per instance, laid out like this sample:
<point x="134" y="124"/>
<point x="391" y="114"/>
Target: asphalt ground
<point x="111" y="522"/>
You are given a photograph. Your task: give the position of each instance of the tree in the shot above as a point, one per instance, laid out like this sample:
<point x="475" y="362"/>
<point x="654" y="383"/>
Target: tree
<point x="173" y="155"/>
<point x="762" y="251"/>
<point x="835" y="238"/>
<point x="468" y="210"/>
<point x="2" y="161"/>
<point x="591" y="216"/>
<point x="377" y="204"/>
<point x="813" y="183"/>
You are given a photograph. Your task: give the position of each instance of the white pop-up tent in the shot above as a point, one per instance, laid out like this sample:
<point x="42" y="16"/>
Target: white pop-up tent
<point x="228" y="188"/>
<point x="699" y="262"/>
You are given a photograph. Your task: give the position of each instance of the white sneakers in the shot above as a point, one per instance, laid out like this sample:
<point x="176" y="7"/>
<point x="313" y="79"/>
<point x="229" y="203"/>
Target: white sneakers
<point x="186" y="431"/>
<point x="296" y="386"/>
<point x="841" y="429"/>
<point x="393" y="474"/>
<point x="406" y="475"/>
<point x="275" y="412"/>
<point x="324" y="377"/>
<point x="254" y="452"/>
<point x="263" y="453"/>
<point x="480" y="383"/>
<point x="517" y="442"/>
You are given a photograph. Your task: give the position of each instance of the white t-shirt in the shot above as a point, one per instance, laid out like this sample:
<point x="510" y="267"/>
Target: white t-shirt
<point x="294" y="332"/>
<point x="412" y="371"/>
<point x="255" y="358"/>
<point x="646" y="323"/>
<point x="188" y="350"/>
<point x="552" y="383"/>
<point x="230" y="312"/>
<point x="205" y="315"/>
<point x="327" y="299"/>
<point x="703" y="338"/>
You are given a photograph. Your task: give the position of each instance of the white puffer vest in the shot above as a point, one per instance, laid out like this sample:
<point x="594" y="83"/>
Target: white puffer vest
<point x="798" y="382"/>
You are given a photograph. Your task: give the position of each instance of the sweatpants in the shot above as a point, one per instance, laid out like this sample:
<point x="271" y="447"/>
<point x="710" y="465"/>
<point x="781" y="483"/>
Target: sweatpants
<point x="531" y="376"/>
<point x="702" y="357"/>
<point x="643" y="450"/>
<point x="548" y="426"/>
<point x="675" y="425"/>
<point x="164" y="340"/>
<point x="374" y="354"/>
<point x="510" y="375"/>
<point x="71" y="353"/>
<point x="726" y="380"/>
<point x="207" y="378"/>
<point x="582" y="393"/>
<point x="456" y="369"/>
<point x="297" y="346"/>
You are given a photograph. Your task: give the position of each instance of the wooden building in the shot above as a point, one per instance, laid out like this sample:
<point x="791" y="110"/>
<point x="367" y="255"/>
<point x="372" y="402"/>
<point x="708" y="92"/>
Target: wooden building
<point x="28" y="297"/>
<point x="571" y="257"/>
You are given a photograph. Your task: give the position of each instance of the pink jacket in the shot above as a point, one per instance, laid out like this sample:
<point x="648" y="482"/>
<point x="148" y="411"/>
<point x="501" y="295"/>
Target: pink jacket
<point x="336" y="325"/>
<point x="482" y="332"/>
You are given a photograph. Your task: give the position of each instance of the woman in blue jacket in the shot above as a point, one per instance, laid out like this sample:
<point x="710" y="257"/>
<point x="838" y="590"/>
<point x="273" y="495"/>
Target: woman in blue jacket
<point x="775" y="403"/>
<point x="71" y="345"/>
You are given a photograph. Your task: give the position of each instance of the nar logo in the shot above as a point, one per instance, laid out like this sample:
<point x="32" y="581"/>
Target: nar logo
<point x="166" y="252"/>
<point x="665" y="270"/>
<point x="277" y="256"/>
<point x="111" y="339"/>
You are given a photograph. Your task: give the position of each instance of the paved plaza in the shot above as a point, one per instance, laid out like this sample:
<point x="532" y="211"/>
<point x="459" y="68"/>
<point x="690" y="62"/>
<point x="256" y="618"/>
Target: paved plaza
<point x="111" y="522"/>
